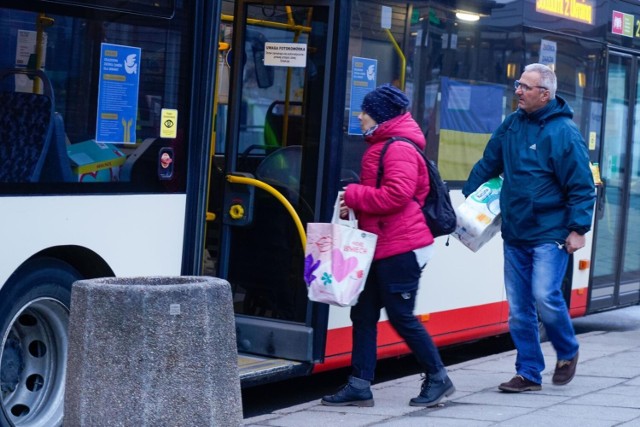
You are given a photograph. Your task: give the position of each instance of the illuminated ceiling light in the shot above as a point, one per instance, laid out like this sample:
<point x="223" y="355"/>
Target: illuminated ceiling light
<point x="467" y="16"/>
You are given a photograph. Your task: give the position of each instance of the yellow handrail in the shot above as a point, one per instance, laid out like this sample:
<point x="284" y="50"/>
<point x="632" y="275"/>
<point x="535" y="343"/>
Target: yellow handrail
<point x="234" y="179"/>
<point x="403" y="60"/>
<point x="42" y="22"/>
<point x="287" y="95"/>
<point x="270" y="24"/>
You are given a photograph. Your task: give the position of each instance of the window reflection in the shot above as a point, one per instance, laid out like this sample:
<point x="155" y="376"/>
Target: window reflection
<point x="460" y="76"/>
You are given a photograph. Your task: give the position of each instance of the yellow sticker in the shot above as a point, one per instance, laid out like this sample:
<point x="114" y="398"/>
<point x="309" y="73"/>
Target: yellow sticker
<point x="595" y="170"/>
<point x="168" y="123"/>
<point x="592" y="140"/>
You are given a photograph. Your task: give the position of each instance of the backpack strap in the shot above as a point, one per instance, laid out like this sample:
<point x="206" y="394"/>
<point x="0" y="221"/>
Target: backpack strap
<point x="384" y="150"/>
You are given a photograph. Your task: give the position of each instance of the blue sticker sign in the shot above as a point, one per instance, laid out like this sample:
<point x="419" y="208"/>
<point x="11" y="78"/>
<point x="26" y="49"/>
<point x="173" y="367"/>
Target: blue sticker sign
<point x="118" y="89"/>
<point x="364" y="74"/>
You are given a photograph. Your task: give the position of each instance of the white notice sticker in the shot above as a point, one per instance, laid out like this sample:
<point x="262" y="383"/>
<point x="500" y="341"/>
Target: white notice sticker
<point x="285" y="54"/>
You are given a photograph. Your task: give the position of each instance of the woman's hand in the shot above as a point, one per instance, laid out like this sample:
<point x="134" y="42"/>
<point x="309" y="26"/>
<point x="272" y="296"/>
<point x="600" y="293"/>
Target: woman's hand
<point x="344" y="210"/>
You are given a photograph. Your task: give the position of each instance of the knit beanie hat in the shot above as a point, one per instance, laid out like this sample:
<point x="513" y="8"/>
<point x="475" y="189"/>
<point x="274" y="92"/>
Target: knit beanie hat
<point x="384" y="103"/>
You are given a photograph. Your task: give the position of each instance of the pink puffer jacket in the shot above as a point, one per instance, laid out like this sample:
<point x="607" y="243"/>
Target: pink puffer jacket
<point x="393" y="211"/>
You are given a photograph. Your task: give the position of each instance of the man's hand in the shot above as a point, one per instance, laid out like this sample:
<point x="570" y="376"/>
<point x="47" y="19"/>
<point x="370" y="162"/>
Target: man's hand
<point x="574" y="242"/>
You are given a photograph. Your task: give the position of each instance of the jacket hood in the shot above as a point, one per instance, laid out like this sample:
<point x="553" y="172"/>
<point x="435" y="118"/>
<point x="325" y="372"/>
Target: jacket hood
<point x="401" y="126"/>
<point x="555" y="108"/>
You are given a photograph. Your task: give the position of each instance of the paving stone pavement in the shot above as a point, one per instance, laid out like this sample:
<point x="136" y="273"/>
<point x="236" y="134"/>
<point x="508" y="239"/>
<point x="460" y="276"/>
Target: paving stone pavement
<point x="605" y="392"/>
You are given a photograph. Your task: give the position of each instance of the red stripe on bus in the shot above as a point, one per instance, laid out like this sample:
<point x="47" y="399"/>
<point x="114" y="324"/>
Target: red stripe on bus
<point x="578" y="302"/>
<point x="446" y="328"/>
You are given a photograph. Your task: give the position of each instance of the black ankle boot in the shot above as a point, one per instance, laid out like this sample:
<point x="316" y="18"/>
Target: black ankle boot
<point x="352" y="394"/>
<point x="433" y="391"/>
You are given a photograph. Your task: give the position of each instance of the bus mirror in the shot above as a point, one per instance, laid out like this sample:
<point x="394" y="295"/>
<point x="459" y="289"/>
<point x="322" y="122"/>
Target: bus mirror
<point x="264" y="74"/>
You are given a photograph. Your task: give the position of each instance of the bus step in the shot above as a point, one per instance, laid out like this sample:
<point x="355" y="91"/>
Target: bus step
<point x="256" y="370"/>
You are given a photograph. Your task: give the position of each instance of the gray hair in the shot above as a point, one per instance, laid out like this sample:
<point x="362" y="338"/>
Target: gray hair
<point x="547" y="77"/>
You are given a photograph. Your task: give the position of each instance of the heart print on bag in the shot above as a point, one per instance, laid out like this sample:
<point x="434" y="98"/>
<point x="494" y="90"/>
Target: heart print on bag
<point x="341" y="267"/>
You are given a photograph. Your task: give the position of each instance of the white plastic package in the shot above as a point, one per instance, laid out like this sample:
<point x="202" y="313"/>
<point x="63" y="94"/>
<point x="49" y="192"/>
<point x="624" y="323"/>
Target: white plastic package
<point x="479" y="215"/>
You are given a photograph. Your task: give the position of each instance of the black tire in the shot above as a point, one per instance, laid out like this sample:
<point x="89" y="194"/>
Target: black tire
<point x="34" y="318"/>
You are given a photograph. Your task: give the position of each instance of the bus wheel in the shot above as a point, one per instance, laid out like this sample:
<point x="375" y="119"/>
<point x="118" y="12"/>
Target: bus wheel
<point x="34" y="316"/>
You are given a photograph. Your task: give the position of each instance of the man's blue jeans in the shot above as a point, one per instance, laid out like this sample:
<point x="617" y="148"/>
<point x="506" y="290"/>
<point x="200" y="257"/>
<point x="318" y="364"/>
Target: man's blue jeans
<point x="392" y="284"/>
<point x="533" y="278"/>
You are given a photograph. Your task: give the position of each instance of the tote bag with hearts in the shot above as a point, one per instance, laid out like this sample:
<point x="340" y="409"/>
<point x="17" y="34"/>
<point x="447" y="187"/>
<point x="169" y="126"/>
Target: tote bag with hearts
<point x="337" y="260"/>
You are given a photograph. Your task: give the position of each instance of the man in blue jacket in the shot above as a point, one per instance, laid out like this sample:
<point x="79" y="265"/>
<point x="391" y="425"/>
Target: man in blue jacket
<point x="547" y="203"/>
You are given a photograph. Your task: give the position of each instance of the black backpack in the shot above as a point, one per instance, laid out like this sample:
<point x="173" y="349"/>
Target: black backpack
<point x="437" y="207"/>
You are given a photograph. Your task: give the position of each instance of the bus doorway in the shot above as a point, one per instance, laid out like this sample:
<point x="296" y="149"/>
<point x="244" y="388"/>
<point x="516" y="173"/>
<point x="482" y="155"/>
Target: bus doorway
<point x="267" y="168"/>
<point x="616" y="273"/>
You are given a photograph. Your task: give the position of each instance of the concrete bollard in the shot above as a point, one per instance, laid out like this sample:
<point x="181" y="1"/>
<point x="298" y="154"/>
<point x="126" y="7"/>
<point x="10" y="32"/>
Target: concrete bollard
<point x="152" y="351"/>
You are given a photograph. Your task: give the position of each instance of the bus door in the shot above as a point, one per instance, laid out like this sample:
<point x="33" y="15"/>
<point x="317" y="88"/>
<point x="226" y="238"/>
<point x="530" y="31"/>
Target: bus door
<point x="616" y="272"/>
<point x="269" y="168"/>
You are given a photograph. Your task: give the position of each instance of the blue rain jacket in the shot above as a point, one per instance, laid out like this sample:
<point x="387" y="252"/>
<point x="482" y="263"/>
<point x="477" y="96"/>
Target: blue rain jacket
<point x="548" y="188"/>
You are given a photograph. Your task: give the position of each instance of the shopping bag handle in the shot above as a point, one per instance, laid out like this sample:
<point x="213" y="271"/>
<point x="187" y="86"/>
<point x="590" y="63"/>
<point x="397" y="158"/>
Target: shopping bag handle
<point x="350" y="222"/>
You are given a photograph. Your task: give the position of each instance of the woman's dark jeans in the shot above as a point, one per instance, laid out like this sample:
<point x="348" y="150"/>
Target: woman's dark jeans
<point x="392" y="284"/>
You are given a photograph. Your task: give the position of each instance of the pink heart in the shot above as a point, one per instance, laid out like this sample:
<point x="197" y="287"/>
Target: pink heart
<point x="341" y="267"/>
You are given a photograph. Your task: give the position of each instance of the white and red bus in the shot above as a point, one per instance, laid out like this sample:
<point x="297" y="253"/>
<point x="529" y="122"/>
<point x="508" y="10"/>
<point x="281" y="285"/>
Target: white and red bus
<point x="147" y="138"/>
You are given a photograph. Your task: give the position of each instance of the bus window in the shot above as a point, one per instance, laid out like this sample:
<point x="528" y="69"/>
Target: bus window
<point x="119" y="96"/>
<point x="457" y="113"/>
<point x="460" y="79"/>
<point x="160" y="8"/>
<point x="578" y="65"/>
<point x="28" y="128"/>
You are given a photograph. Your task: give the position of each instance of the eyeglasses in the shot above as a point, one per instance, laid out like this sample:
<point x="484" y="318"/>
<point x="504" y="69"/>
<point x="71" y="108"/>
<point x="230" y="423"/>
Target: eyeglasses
<point x="525" y="88"/>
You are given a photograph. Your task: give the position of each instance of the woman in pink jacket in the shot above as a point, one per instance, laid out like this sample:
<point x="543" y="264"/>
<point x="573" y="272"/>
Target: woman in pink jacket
<point x="393" y="212"/>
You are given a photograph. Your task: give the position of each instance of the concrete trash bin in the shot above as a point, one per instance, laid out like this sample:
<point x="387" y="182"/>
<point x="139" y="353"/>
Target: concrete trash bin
<point x="152" y="351"/>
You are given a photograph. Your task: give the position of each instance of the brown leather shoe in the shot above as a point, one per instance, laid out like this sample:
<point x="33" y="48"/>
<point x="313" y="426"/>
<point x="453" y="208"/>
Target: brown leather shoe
<point x="565" y="371"/>
<point x="518" y="384"/>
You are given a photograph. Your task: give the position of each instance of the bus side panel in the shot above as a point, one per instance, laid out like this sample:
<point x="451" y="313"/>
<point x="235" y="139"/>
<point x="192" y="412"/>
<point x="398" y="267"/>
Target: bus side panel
<point x="146" y="238"/>
<point x="454" y="325"/>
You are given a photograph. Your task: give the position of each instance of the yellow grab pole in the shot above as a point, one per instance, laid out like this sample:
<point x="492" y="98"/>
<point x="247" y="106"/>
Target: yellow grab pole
<point x="42" y="22"/>
<point x="403" y="60"/>
<point x="270" y="24"/>
<point x="234" y="179"/>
